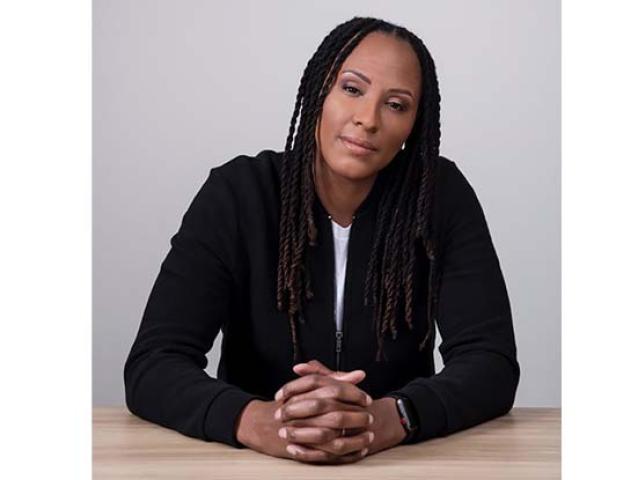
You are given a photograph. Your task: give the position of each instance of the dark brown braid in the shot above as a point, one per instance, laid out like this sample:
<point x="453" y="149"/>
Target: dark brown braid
<point x="412" y="178"/>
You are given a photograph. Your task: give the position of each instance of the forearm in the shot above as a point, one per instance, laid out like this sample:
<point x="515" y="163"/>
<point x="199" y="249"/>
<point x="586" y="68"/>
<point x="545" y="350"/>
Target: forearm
<point x="473" y="315"/>
<point x="171" y="390"/>
<point x="473" y="388"/>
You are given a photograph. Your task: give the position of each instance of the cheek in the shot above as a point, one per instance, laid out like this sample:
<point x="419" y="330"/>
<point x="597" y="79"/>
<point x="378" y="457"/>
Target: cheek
<point x="333" y="117"/>
<point x="402" y="130"/>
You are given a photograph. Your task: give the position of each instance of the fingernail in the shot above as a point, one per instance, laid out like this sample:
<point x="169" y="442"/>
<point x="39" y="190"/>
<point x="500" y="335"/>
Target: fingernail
<point x="371" y="436"/>
<point x="369" y="400"/>
<point x="364" y="452"/>
<point x="279" y="394"/>
<point x="282" y="433"/>
<point x="293" y="450"/>
<point x="278" y="414"/>
<point x="370" y="419"/>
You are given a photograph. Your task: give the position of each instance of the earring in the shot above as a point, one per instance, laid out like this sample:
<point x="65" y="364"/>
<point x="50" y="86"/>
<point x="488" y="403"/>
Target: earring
<point x="403" y="145"/>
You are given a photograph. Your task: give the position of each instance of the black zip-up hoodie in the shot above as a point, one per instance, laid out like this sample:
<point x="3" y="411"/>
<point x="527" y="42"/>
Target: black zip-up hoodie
<point x="220" y="274"/>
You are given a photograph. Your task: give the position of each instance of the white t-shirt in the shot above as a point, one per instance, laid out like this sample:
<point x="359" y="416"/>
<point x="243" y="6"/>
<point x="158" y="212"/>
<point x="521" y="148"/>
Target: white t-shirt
<point x="340" y="243"/>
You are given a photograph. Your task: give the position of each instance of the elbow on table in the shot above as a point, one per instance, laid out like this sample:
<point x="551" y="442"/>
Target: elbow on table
<point x="131" y="374"/>
<point x="511" y="387"/>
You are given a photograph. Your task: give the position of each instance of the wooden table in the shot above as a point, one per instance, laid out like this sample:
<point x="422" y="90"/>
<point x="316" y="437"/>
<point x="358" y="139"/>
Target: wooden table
<point x="525" y="443"/>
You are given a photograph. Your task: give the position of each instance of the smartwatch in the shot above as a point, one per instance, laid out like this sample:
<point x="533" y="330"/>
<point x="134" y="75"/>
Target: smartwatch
<point x="408" y="416"/>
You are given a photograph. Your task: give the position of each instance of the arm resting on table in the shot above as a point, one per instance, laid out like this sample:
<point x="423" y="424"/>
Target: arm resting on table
<point x="481" y="371"/>
<point x="164" y="375"/>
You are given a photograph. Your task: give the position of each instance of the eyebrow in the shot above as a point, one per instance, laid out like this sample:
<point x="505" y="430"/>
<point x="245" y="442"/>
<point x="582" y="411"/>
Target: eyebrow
<point x="366" y="79"/>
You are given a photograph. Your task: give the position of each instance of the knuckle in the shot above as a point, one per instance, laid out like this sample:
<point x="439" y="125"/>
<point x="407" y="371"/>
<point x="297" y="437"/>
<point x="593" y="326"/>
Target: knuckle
<point x="316" y="380"/>
<point x="338" y="445"/>
<point x="335" y="391"/>
<point x="315" y="405"/>
<point x="337" y="418"/>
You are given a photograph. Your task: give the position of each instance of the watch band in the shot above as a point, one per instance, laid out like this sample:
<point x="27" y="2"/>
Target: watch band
<point x="408" y="416"/>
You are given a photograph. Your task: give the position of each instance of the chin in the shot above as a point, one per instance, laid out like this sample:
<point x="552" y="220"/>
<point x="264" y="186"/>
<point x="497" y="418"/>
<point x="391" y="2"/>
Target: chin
<point x="352" y="168"/>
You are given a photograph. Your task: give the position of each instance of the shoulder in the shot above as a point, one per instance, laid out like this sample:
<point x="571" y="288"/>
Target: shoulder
<point x="249" y="171"/>
<point x="452" y="185"/>
<point x="450" y="180"/>
<point x="456" y="198"/>
<point x="243" y="180"/>
<point x="247" y="186"/>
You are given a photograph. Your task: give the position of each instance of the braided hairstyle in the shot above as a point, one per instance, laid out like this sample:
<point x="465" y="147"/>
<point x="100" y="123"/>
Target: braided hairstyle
<point x="389" y="281"/>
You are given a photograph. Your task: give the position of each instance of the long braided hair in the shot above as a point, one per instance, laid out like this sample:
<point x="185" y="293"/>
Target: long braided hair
<point x="389" y="281"/>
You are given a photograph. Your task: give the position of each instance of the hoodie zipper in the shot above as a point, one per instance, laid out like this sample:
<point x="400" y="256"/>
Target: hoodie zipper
<point x="339" y="333"/>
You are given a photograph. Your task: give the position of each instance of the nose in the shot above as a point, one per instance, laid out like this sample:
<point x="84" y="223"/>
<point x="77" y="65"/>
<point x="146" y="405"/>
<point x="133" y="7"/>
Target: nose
<point x="367" y="115"/>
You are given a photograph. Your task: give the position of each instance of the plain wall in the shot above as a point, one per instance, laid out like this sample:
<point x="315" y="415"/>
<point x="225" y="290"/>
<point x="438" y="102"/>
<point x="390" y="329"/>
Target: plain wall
<point x="181" y="87"/>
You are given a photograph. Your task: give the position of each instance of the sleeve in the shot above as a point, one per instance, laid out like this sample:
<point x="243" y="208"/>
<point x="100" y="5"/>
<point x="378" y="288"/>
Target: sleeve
<point x="481" y="372"/>
<point x="164" y="375"/>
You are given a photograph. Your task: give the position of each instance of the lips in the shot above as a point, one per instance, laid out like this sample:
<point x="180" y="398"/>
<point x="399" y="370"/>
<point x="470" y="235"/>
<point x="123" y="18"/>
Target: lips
<point x="357" y="145"/>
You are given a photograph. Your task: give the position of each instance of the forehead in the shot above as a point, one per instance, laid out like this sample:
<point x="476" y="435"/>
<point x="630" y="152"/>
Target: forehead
<point x="387" y="60"/>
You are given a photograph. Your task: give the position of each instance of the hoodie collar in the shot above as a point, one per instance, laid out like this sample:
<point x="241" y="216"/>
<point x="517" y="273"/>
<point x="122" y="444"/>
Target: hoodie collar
<point x="370" y="201"/>
<point x="373" y="197"/>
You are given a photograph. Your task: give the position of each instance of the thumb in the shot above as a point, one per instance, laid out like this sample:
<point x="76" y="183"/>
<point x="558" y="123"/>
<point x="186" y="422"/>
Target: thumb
<point x="312" y="367"/>
<point x="355" y="376"/>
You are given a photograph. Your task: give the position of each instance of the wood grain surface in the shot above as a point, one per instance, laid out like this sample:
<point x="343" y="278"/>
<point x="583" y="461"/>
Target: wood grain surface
<point x="524" y="444"/>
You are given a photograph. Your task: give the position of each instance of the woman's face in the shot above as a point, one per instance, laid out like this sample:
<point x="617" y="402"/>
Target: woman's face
<point x="374" y="100"/>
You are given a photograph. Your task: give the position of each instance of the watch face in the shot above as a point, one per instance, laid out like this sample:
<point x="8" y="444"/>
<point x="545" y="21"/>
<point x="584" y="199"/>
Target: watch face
<point x="407" y="415"/>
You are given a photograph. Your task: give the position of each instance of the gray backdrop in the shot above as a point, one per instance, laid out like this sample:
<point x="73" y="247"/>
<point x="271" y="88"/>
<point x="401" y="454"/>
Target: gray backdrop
<point x="183" y="86"/>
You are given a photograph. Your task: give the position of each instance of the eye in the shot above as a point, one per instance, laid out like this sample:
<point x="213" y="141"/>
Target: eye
<point x="397" y="106"/>
<point x="350" y="89"/>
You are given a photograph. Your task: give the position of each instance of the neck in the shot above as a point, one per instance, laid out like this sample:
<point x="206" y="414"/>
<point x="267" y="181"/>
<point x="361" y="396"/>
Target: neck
<point x="340" y="196"/>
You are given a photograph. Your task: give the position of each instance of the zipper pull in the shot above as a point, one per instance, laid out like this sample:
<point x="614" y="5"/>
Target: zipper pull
<point x="338" y="348"/>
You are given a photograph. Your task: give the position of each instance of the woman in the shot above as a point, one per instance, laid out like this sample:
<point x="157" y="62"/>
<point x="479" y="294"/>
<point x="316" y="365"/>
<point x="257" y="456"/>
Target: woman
<point x="307" y="259"/>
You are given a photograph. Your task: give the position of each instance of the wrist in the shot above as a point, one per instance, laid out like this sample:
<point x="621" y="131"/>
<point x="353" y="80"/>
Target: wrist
<point x="246" y="423"/>
<point x="390" y="426"/>
<point x="407" y="415"/>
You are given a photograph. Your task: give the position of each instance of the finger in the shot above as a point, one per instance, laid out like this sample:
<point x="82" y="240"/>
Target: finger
<point x="345" y="394"/>
<point x="335" y="419"/>
<point x="316" y="435"/>
<point x="319" y="364"/>
<point x="312" y="455"/>
<point x="308" y="435"/>
<point x="354" y="377"/>
<point x="314" y="366"/>
<point x="312" y="382"/>
<point x="345" y="445"/>
<point x="312" y="407"/>
<point x="301" y="385"/>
